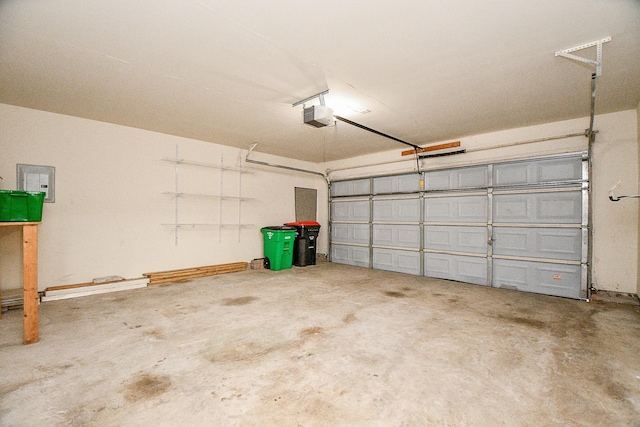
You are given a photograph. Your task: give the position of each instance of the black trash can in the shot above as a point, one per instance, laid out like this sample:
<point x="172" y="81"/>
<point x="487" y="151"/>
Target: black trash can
<point x="304" y="246"/>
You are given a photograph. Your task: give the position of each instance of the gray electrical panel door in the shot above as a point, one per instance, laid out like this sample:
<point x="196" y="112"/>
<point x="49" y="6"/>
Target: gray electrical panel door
<point x="306" y="204"/>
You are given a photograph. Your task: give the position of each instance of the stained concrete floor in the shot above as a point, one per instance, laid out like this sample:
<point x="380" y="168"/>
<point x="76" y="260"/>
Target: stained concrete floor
<point x="324" y="345"/>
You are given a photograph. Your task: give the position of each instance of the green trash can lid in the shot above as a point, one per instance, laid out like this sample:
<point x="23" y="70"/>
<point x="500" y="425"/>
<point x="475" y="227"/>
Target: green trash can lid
<point x="279" y="228"/>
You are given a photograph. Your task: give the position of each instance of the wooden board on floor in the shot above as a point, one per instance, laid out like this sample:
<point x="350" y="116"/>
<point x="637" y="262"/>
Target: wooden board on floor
<point x="82" y="285"/>
<point x="192" y="273"/>
<point x="11" y="299"/>
<point x="93" y="289"/>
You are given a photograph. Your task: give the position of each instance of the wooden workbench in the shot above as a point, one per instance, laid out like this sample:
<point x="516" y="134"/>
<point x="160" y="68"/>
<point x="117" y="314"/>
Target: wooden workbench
<point x="30" y="277"/>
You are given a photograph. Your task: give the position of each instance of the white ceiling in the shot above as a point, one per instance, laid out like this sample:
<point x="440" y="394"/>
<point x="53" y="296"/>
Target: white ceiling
<point x="229" y="71"/>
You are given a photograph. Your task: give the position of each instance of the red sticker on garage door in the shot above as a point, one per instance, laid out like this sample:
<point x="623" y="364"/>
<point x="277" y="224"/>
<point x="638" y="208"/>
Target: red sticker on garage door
<point x="557" y="277"/>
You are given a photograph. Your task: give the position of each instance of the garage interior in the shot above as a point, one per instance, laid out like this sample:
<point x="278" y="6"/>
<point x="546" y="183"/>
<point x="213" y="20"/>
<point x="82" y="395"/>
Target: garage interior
<point x="474" y="169"/>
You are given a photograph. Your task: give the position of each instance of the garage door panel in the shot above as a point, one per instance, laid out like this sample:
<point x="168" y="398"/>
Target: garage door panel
<point x="351" y="255"/>
<point x="350" y="233"/>
<point x="456" y="238"/>
<point x="396" y="260"/>
<point x="383" y="259"/>
<point x="409" y="236"/>
<point x="340" y="233"/>
<point x="400" y="210"/>
<point x="456" y="267"/>
<point x="382" y="235"/>
<point x="469" y="210"/>
<point x="554" y="170"/>
<point x="544" y="278"/>
<point x="550" y="243"/>
<point x="473" y="177"/>
<point x="350" y="188"/>
<point x="396" y="184"/>
<point x="350" y="211"/>
<point x="456" y="209"/>
<point x="403" y="236"/>
<point x="438" y="209"/>
<point x="561" y="207"/>
<point x="538" y="171"/>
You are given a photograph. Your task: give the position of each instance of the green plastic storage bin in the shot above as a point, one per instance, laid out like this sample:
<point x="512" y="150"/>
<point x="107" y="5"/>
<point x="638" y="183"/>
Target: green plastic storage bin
<point x="278" y="246"/>
<point x="23" y="206"/>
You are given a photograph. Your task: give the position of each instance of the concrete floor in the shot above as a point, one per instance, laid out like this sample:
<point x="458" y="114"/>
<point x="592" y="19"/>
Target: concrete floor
<point x="324" y="345"/>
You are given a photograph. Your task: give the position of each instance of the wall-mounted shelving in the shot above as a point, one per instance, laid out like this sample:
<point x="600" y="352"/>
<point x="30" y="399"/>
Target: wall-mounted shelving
<point x="179" y="195"/>
<point x="211" y="196"/>
<point x="179" y="161"/>
<point x="202" y="224"/>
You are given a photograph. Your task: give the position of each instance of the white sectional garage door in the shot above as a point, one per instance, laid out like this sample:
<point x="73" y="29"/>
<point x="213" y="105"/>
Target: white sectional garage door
<point x="517" y="225"/>
<point x="396" y="224"/>
<point x="396" y="233"/>
<point x="539" y="226"/>
<point x="351" y="222"/>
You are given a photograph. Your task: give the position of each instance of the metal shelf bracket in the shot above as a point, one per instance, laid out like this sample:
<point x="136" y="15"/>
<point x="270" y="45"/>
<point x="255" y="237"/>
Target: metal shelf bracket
<point x="567" y="53"/>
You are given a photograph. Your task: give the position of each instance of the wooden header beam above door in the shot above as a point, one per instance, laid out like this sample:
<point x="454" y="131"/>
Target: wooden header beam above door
<point x="431" y="148"/>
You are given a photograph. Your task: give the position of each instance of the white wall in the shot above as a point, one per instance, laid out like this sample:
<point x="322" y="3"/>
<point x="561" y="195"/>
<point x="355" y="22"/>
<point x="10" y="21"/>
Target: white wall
<point x="616" y="238"/>
<point x="110" y="205"/>
<point x="615" y="262"/>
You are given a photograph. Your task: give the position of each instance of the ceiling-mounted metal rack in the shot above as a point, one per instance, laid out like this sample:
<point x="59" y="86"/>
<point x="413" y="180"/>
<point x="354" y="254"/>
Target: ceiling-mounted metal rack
<point x="568" y="53"/>
<point x="309" y="98"/>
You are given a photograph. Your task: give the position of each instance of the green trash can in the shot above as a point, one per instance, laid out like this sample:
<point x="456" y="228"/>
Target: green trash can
<point x="278" y="246"/>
